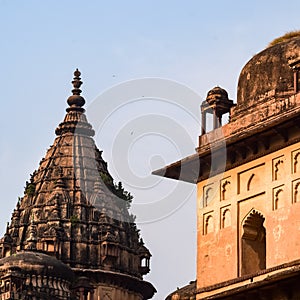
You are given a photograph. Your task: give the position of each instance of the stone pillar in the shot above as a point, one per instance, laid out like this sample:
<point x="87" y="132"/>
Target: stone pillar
<point x="215" y="120"/>
<point x="203" y="122"/>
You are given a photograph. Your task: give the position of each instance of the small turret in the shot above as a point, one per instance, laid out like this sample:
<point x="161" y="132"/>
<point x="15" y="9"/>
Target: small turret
<point x="217" y="103"/>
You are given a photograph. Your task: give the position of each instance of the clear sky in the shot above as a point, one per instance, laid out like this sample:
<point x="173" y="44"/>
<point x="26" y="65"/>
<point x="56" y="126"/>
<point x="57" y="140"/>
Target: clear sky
<point x="189" y="46"/>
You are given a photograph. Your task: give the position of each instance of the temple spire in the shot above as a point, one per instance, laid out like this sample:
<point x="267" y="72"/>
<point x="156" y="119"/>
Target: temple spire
<point x="76" y="101"/>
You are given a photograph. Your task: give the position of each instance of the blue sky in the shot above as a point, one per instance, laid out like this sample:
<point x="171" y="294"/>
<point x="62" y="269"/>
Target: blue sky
<point x="197" y="44"/>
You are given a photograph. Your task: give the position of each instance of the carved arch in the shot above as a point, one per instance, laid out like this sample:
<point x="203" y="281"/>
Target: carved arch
<point x="295" y="164"/>
<point x="226" y="218"/>
<point x="208" y="224"/>
<point x="249" y="181"/>
<point x="276" y="168"/>
<point x="276" y="200"/>
<point x="206" y="196"/>
<point x="296" y="192"/>
<point x="224" y="190"/>
<point x="253" y="243"/>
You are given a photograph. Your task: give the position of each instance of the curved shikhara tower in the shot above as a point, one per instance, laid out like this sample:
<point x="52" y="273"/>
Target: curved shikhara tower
<point x="73" y="214"/>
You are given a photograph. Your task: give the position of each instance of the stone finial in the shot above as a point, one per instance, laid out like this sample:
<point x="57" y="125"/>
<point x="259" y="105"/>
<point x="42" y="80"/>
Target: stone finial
<point x="76" y="83"/>
<point x="75" y="121"/>
<point x="76" y="101"/>
<point x="32" y="239"/>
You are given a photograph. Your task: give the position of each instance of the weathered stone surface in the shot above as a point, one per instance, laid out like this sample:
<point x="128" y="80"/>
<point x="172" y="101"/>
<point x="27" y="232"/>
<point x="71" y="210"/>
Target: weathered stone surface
<point x="80" y="216"/>
<point x="248" y="183"/>
<point x="269" y="74"/>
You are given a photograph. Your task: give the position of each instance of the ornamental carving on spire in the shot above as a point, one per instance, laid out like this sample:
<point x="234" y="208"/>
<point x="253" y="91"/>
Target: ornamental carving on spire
<point x="81" y="215"/>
